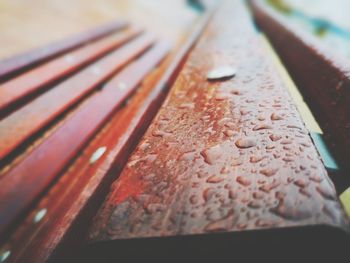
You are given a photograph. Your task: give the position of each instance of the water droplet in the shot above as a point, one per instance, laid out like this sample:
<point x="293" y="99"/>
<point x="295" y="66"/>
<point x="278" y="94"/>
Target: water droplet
<point x="242" y="226"/>
<point x="262" y="126"/>
<point x="301" y="183"/>
<point x="288" y="159"/>
<point x="287" y="210"/>
<point x="244" y="111"/>
<point x="305" y="192"/>
<point x="256" y="159"/>
<point x="210" y="155"/>
<point x="293" y="127"/>
<point x="236" y="92"/>
<point x="269" y="171"/>
<point x="222" y="96"/>
<point x="254" y="204"/>
<point x="224" y="170"/>
<point x="285" y="141"/>
<point x="208" y="194"/>
<point x="221" y="73"/>
<point x="39" y="215"/>
<point x="122" y="86"/>
<point x="276" y="117"/>
<point x="243" y="181"/>
<point x="246" y="142"/>
<point x="261" y="118"/>
<point x="232" y="194"/>
<point x="275" y="137"/>
<point x="316" y="178"/>
<point x="221" y="224"/>
<point x="229" y="133"/>
<point x="269" y="186"/>
<point x="214" y="179"/>
<point x="263" y="223"/>
<point x="236" y="162"/>
<point x="97" y="154"/>
<point x="5" y="255"/>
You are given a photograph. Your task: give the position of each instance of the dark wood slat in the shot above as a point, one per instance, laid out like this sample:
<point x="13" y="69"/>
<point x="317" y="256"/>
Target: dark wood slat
<point x="321" y="75"/>
<point x="72" y="200"/>
<point x="230" y="157"/>
<point x="50" y="157"/>
<point x="26" y="121"/>
<point x="13" y="65"/>
<point x="33" y="80"/>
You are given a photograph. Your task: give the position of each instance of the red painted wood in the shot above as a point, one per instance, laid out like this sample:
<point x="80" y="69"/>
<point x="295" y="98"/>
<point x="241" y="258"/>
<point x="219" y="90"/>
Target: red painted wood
<point x="33" y="80"/>
<point x="70" y="200"/>
<point x="50" y="157"/>
<point x="323" y="79"/>
<point x="23" y="61"/>
<point x="26" y="121"/>
<point x="228" y="156"/>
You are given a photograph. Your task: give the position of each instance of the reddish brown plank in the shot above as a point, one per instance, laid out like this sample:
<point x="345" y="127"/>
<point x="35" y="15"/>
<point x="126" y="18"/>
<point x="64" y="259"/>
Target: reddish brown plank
<point x="225" y="156"/>
<point x="323" y="78"/>
<point x="33" y="80"/>
<point x="23" y="123"/>
<point x="50" y="157"/>
<point x="23" y="61"/>
<point x="68" y="203"/>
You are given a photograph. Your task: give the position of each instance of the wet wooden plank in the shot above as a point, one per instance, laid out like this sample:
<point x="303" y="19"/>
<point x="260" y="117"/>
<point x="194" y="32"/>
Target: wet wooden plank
<point x="34" y="80"/>
<point x="23" y="61"/>
<point x="228" y="156"/>
<point x="26" y="121"/>
<point x="73" y="200"/>
<point x="51" y="156"/>
<point x="323" y="77"/>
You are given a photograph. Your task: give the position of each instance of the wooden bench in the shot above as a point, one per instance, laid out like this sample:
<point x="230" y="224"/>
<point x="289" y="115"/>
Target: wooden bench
<point x="221" y="166"/>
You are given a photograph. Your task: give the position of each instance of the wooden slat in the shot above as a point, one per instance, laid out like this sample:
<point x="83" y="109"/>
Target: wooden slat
<point x="33" y="80"/>
<point x="23" y="61"/>
<point x="231" y="157"/>
<point x="26" y="121"/>
<point x="323" y="78"/>
<point x="72" y="201"/>
<point x="50" y="157"/>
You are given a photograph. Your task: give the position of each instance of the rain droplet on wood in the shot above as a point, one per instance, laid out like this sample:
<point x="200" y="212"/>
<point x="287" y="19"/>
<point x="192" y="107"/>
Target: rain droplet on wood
<point x="97" y="154"/>
<point x="221" y="73"/>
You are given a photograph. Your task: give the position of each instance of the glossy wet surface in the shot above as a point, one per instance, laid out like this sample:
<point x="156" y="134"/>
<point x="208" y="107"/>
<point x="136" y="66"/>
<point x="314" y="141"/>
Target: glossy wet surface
<point x="222" y="156"/>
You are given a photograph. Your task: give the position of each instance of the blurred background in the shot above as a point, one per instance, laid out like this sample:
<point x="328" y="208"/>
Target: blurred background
<point x="27" y="24"/>
<point x="328" y="20"/>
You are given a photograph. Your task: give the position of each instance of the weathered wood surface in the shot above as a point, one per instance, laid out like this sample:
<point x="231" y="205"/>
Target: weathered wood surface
<point x="34" y="80"/>
<point x="220" y="156"/>
<point x="323" y="78"/>
<point x="50" y="157"/>
<point x="23" y="123"/>
<point x="71" y="202"/>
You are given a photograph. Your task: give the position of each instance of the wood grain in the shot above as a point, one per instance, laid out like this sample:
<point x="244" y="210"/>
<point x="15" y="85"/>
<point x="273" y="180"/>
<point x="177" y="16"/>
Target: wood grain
<point x="26" y="121"/>
<point x="228" y="157"/>
<point x="34" y="80"/>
